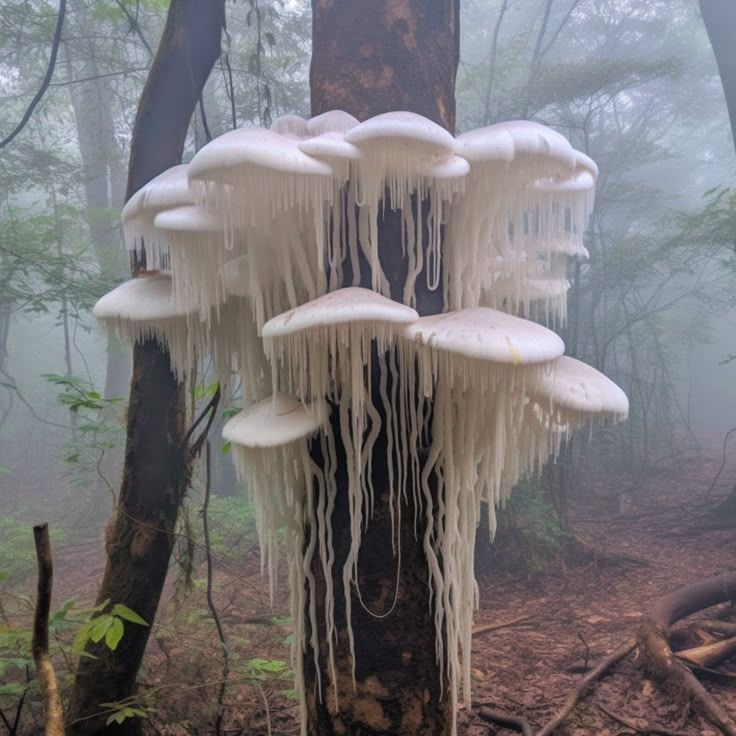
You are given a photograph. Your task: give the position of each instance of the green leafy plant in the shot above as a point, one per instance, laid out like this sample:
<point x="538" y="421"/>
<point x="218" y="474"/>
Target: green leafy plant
<point x="96" y="430"/>
<point x="108" y="626"/>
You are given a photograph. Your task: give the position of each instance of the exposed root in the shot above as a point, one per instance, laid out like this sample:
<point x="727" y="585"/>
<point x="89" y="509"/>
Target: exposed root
<point x="653" y="639"/>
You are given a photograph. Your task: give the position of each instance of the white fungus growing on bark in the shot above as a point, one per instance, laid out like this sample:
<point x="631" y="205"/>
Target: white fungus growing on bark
<point x="270" y="264"/>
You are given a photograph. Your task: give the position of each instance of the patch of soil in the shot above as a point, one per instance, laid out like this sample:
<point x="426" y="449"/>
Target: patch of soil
<point x="573" y="616"/>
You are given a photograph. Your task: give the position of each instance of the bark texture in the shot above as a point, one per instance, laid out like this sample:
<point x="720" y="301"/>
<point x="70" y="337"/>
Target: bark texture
<point x="368" y="58"/>
<point x="140" y="536"/>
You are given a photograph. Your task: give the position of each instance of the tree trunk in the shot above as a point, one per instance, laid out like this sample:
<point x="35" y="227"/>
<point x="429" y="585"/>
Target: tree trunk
<point x="720" y="23"/>
<point x="155" y="474"/>
<point x="368" y="58"/>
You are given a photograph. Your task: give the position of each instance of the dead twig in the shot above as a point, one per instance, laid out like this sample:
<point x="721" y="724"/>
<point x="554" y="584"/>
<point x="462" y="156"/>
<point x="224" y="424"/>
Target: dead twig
<point x="485" y="628"/>
<point x="582" y="685"/>
<point x="40" y="641"/>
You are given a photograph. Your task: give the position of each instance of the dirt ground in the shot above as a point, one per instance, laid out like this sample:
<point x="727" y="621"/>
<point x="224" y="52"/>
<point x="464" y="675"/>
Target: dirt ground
<point x="578" y="613"/>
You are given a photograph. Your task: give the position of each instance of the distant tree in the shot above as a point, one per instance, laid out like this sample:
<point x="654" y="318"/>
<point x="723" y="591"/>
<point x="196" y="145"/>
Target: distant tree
<point x="141" y="535"/>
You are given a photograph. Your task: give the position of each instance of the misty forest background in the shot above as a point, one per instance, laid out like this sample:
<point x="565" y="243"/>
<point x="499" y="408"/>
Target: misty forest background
<point x="633" y="84"/>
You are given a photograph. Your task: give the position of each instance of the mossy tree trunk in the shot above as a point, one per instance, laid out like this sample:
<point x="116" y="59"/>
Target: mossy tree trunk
<point x="140" y="535"/>
<point x="371" y="57"/>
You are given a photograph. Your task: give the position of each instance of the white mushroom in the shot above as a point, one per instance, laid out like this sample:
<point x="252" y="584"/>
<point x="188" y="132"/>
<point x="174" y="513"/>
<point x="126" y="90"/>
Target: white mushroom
<point x="271" y="453"/>
<point x="475" y="364"/>
<point x="396" y="147"/>
<point x="195" y="241"/>
<point x="269" y="192"/>
<point x="168" y="189"/>
<point x="290" y="125"/>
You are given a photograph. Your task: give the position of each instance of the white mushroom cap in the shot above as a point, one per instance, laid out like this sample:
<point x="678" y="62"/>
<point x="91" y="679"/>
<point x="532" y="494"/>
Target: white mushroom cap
<point x="586" y="163"/>
<point x="220" y="159"/>
<point x="532" y="140"/>
<point x="290" y="125"/>
<point x="330" y="145"/>
<point x="405" y="126"/>
<point x="188" y="219"/>
<point x="486" y="334"/>
<point x="576" y="388"/>
<point x="337" y="121"/>
<point x="141" y="299"/>
<point x="484" y="145"/>
<point x="580" y="181"/>
<point x="168" y="189"/>
<point x="454" y="167"/>
<point x="343" y="306"/>
<point x="278" y="420"/>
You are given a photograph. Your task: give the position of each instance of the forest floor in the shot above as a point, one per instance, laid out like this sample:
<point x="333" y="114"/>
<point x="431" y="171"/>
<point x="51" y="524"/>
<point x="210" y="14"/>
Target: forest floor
<point x="630" y="549"/>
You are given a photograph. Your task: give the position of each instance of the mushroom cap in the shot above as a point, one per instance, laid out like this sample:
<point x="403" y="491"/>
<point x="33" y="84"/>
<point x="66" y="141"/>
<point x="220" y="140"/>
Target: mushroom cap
<point x="484" y="145"/>
<point x="586" y="163"/>
<point x="580" y="181"/>
<point x="290" y="125"/>
<point x="534" y="140"/>
<point x="188" y="219"/>
<point x="454" y="167"/>
<point x="407" y="126"/>
<point x="253" y="147"/>
<point x="275" y="421"/>
<point x="343" y="306"/>
<point x="579" y="387"/>
<point x="169" y="189"/>
<point x="330" y="145"/>
<point x="332" y="121"/>
<point x="487" y="334"/>
<point x="140" y="299"/>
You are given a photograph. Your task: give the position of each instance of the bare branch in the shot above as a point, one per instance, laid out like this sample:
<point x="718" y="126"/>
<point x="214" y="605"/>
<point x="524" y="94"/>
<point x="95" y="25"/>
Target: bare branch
<point x="46" y="80"/>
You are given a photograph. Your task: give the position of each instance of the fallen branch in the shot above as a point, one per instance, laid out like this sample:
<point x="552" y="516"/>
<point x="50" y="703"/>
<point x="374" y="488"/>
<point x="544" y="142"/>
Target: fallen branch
<point x="485" y="628"/>
<point x="654" y="640"/>
<point x="505" y="719"/>
<point x="40" y="642"/>
<point x="582" y="685"/>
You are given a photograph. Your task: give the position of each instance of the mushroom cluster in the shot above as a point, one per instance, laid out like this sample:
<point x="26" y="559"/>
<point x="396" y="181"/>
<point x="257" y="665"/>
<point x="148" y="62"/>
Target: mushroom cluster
<point x="267" y="255"/>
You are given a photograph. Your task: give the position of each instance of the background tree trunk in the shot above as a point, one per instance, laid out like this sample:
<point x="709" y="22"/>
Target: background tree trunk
<point x="720" y="22"/>
<point x="368" y="58"/>
<point x="155" y="478"/>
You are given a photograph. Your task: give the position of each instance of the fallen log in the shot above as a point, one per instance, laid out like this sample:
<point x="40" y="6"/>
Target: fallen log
<point x="662" y="662"/>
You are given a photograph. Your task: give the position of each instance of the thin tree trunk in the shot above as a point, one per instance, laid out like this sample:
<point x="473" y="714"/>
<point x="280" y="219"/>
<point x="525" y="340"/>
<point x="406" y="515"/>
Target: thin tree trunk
<point x="103" y="172"/>
<point x="720" y="23"/>
<point x="140" y="536"/>
<point x="369" y="58"/>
